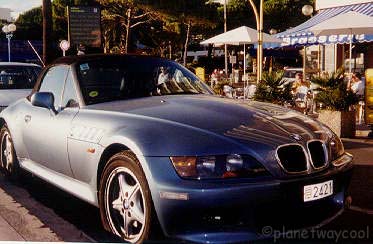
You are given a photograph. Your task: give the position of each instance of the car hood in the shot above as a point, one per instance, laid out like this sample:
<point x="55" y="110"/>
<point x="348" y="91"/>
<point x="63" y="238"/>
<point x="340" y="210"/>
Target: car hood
<point x="9" y="96"/>
<point x="242" y="120"/>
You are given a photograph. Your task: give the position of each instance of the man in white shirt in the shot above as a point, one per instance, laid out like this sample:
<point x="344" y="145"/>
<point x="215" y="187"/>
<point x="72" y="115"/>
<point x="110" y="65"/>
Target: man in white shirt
<point x="358" y="88"/>
<point x="357" y="85"/>
<point x="164" y="76"/>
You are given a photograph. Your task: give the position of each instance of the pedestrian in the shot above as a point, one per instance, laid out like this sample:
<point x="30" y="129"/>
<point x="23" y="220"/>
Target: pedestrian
<point x="214" y="77"/>
<point x="80" y="50"/>
<point x="358" y="87"/>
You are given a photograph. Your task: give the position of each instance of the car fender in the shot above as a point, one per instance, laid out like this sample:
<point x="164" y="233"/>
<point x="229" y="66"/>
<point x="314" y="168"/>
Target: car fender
<point x="13" y="117"/>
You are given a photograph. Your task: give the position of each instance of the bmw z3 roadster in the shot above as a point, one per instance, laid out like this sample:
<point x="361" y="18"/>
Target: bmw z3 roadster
<point x="152" y="147"/>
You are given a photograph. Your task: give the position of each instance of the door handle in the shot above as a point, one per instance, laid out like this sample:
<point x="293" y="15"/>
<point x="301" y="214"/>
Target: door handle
<point x="27" y="118"/>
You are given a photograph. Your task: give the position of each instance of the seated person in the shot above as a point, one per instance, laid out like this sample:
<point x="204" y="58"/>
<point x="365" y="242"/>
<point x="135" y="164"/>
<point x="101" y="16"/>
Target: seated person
<point x="163" y="77"/>
<point x="299" y="84"/>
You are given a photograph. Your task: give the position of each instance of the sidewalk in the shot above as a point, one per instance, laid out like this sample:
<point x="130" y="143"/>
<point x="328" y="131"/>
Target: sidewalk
<point x="362" y="130"/>
<point x="7" y="232"/>
<point x="23" y="218"/>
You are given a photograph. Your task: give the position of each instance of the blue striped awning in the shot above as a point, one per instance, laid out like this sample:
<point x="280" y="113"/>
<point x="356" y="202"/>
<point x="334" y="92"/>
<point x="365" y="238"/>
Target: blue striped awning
<point x="302" y="36"/>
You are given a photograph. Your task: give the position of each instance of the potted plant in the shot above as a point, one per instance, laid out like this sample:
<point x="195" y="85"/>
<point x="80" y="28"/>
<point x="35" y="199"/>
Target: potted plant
<point x="273" y="88"/>
<point x="336" y="102"/>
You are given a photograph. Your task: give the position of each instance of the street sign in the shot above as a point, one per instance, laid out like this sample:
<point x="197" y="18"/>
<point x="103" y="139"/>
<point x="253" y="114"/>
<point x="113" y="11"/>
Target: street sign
<point x="85" y="26"/>
<point x="369" y="97"/>
<point x="200" y="72"/>
<point x="64" y="45"/>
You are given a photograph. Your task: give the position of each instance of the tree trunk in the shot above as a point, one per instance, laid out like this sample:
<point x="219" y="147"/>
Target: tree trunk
<point x="128" y="27"/>
<point x="186" y="43"/>
<point x="106" y="42"/>
<point x="209" y="58"/>
<point x="47" y="30"/>
<point x="170" y="49"/>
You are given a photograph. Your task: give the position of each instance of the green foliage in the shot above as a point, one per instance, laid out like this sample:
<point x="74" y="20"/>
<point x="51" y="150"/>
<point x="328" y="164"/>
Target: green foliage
<point x="273" y="89"/>
<point x="278" y="14"/>
<point x="30" y="24"/>
<point x="284" y="14"/>
<point x="174" y="16"/>
<point x="170" y="18"/>
<point x="333" y="91"/>
<point x="219" y="87"/>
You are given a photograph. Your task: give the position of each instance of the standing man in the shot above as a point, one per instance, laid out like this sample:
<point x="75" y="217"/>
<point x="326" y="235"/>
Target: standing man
<point x="358" y="87"/>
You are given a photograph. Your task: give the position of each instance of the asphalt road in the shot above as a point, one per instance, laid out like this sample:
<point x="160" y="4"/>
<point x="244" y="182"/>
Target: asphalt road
<point x="41" y="212"/>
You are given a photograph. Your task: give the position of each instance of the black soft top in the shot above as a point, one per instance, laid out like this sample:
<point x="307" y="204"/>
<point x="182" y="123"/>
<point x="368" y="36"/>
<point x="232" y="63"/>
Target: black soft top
<point x="82" y="58"/>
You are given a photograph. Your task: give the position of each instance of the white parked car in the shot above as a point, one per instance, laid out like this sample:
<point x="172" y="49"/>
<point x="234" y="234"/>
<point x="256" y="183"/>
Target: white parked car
<point x="16" y="81"/>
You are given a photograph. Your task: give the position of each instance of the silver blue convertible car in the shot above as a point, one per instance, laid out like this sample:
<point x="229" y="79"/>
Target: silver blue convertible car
<point x="152" y="147"/>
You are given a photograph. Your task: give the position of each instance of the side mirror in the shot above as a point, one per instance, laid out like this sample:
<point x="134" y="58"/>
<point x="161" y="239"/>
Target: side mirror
<point x="43" y="100"/>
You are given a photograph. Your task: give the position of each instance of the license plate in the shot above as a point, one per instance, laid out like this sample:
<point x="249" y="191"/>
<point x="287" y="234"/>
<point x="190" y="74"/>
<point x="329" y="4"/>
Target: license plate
<point x="317" y="191"/>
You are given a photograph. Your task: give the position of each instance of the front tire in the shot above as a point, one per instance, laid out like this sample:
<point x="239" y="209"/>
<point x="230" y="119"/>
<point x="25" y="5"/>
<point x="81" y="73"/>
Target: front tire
<point x="8" y="155"/>
<point x="124" y="198"/>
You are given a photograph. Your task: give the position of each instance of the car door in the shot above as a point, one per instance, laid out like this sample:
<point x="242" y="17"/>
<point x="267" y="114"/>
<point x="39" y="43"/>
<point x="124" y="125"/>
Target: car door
<point x="45" y="133"/>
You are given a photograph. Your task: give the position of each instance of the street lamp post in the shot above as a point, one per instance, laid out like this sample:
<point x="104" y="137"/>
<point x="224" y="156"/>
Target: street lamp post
<point x="272" y="32"/>
<point x="8" y="30"/>
<point x="225" y="45"/>
<point x="307" y="10"/>
<point x="259" y="27"/>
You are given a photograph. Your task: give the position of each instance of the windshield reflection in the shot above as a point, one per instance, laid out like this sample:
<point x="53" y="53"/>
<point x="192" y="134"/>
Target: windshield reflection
<point x="133" y="77"/>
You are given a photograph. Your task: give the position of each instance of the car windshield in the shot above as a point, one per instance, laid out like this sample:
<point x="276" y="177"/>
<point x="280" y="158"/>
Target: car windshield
<point x="18" y="76"/>
<point x="119" y="78"/>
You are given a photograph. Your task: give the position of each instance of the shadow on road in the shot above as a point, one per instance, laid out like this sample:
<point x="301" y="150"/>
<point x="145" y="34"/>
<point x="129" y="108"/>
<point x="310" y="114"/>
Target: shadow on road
<point x="357" y="142"/>
<point x="49" y="205"/>
<point x="58" y="209"/>
<point x="361" y="187"/>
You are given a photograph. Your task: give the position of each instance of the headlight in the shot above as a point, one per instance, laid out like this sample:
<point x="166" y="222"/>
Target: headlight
<point x="336" y="148"/>
<point x="217" y="167"/>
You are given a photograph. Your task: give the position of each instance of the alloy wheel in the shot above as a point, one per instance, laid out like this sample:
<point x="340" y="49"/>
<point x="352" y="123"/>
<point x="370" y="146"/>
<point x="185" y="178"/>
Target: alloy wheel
<point x="7" y="157"/>
<point x="124" y="204"/>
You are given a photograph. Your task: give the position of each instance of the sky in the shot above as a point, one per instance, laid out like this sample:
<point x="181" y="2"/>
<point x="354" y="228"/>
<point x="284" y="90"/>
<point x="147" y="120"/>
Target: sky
<point x="19" y="6"/>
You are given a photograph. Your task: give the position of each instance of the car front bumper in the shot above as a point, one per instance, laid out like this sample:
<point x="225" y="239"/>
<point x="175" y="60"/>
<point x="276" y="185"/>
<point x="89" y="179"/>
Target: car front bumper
<point x="238" y="210"/>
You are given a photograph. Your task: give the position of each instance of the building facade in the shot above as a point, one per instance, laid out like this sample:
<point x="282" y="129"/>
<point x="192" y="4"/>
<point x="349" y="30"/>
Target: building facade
<point x="329" y="52"/>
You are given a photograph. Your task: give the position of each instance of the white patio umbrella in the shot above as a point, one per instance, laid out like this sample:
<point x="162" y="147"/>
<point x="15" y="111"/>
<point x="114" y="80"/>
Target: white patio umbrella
<point x="350" y="23"/>
<point x="240" y="36"/>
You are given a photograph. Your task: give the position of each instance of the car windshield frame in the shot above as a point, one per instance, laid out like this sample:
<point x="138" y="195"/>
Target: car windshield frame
<point x="115" y="78"/>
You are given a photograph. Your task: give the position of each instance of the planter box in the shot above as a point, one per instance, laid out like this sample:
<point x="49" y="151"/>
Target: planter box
<point x="343" y="123"/>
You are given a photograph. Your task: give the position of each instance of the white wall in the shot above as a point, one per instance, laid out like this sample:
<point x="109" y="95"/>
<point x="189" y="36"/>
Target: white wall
<point x="329" y="58"/>
<point x="321" y="4"/>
